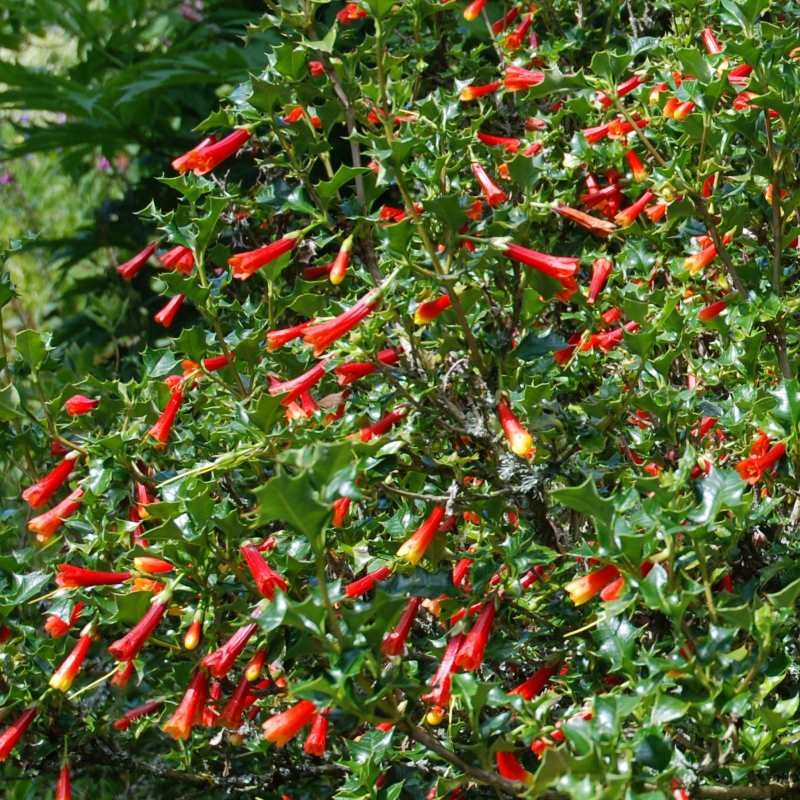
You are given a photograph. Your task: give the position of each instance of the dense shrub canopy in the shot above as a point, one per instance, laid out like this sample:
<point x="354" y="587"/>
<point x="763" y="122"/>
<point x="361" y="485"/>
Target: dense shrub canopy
<point x="466" y="464"/>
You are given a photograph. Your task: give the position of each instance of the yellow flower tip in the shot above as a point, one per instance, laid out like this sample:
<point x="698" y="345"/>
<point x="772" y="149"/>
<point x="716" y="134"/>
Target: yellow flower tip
<point x="522" y="445"/>
<point x="410" y="552"/>
<point x="434" y="716"/>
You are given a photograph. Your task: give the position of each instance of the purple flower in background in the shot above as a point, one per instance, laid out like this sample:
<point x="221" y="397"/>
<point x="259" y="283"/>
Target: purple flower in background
<point x="24" y="118"/>
<point x="192" y="11"/>
<point x="6" y="178"/>
<point x="103" y="164"/>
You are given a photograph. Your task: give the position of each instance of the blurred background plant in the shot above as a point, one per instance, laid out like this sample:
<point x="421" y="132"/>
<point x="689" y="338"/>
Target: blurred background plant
<point x="95" y="99"/>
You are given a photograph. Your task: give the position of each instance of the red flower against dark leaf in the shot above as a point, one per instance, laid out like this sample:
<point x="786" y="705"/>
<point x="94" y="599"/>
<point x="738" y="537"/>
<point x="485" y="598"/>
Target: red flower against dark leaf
<point x="206" y="156"/>
<point x="9" y="738"/>
<point x="64" y="676"/>
<point x="128" y="647"/>
<point x="508" y="143"/>
<point x="628" y="215"/>
<point x="518" y="78"/>
<point x="221" y="660"/>
<point x="41" y="491"/>
<point x="491" y="191"/>
<point x="340" y="508"/>
<point x="322" y="335"/>
<point x="712" y="310"/>
<point x="509" y="767"/>
<point x="380" y="427"/>
<point x="248" y="263"/>
<point x="56" y="627"/>
<point x="428" y="311"/>
<point x="519" y="440"/>
<point x="440" y="683"/>
<point x="340" y="263"/>
<point x="562" y="268"/>
<point x="601" y="269"/>
<point x="752" y="469"/>
<point x="367" y="583"/>
<point x="166" y="316"/>
<point x="317" y="738"/>
<point x="187" y="714"/>
<point x="293" y="388"/>
<point x="64" y="784"/>
<point x="352" y="12"/>
<point x="599" y="227"/>
<point x="179" y="258"/>
<point x="413" y="549"/>
<point x="163" y="426"/>
<point x="80" y="404"/>
<point x="470" y="654"/>
<point x="72" y="577"/>
<point x="394" y="642"/>
<point x="131" y="268"/>
<point x="469" y="93"/>
<point x="266" y="579"/>
<point x="282" y="728"/>
<point x="45" y="525"/>
<point x="581" y="590"/>
<point x="129" y="717"/>
<point x="352" y="371"/>
<point x="181" y="163"/>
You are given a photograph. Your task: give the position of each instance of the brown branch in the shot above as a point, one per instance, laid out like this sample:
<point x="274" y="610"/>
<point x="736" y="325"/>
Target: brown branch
<point x="786" y="791"/>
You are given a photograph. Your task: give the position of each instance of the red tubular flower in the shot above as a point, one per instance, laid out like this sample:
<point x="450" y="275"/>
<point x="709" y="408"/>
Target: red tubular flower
<point x="470" y="654"/>
<point x="380" y="427"/>
<point x="469" y="93"/>
<point x="282" y="728"/>
<point x="248" y="263"/>
<point x="267" y="580"/>
<point x="713" y="47"/>
<point x="340" y="508"/>
<point x="296" y="386"/>
<point x="214" y="363"/>
<point x="352" y="371"/>
<point x="601" y="198"/>
<point x="151" y="565"/>
<point x="5" y="634"/>
<point x="122" y="674"/>
<point x="509" y="768"/>
<point x="367" y="583"/>
<point x="256" y="664"/>
<point x="295" y="115"/>
<point x="752" y="469"/>
<point x="124" y="722"/>
<point x="317" y="738"/>
<point x="656" y="212"/>
<point x="180" y="164"/>
<point x="128" y="647"/>
<point x="316" y="68"/>
<point x="324" y="334"/>
<point x="596" y="134"/>
<point x="561" y="268"/>
<point x="10" y="737"/>
<point x="683" y="110"/>
<point x="740" y="76"/>
<point x="72" y="577"/>
<point x="599" y="227"/>
<point x="45" y="525"/>
<point x="528" y="689"/>
<point x="492" y="192"/>
<point x="638" y="170"/>
<point x="707" y="189"/>
<point x="188" y="712"/>
<point x="352" y="12"/>
<point x="130" y="268"/>
<point x="63" y="677"/>
<point x="473" y="10"/>
<point x="601" y="269"/>
<point x="519" y="440"/>
<point x="440" y="683"/>
<point x="41" y="491"/>
<point x="712" y="310"/>
<point x="179" y="258"/>
<point x="166" y="316"/>
<point x="413" y="549"/>
<point x="628" y="215"/>
<point x="505" y="21"/>
<point x="613" y="590"/>
<point x="231" y="716"/>
<point x="428" y="311"/>
<point x="221" y="660"/>
<point x="203" y="159"/>
<point x="339" y="266"/>
<point x="626" y="87"/>
<point x="700" y="260"/>
<point x="514" y="39"/>
<point x="461" y="572"/>
<point x="163" y="426"/>
<point x="56" y="627"/>
<point x="79" y="404"/>
<point x="64" y="785"/>
<point x="518" y="78"/>
<point x="582" y="590"/>
<point x="509" y="144"/>
<point x="395" y="641"/>
<point x="194" y="632"/>
<point x="277" y="339"/>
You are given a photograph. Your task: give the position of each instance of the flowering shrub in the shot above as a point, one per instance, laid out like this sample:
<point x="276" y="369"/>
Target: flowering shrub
<point x="467" y="465"/>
